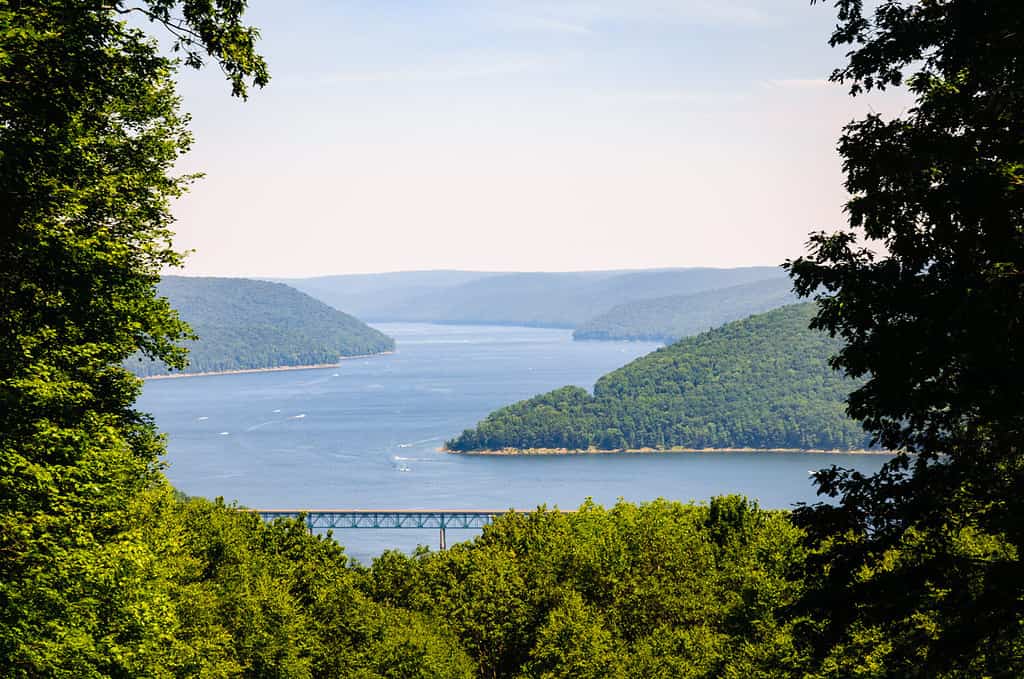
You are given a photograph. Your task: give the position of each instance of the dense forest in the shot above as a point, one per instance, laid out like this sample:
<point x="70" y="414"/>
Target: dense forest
<point x="662" y="589"/>
<point x="657" y="590"/>
<point x="667" y="319"/>
<point x="245" y="324"/>
<point x="558" y="300"/>
<point x="763" y="382"/>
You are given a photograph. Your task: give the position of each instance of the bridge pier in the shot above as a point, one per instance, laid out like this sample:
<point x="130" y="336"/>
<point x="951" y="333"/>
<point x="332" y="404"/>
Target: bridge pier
<point x="443" y="546"/>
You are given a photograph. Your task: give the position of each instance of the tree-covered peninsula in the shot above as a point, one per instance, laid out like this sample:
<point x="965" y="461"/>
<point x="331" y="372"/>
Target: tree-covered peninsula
<point x="763" y="382"/>
<point x="667" y="319"/>
<point x="247" y="324"/>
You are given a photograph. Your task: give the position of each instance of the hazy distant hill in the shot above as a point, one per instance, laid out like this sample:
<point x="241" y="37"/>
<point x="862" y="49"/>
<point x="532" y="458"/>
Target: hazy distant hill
<point x="667" y="319"/>
<point x="369" y="295"/>
<point x="246" y="324"/>
<point x="763" y="382"/>
<point x="542" y="299"/>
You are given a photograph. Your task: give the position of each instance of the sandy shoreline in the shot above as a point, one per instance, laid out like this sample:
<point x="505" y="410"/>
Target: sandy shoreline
<point x="656" y="451"/>
<point x="282" y="368"/>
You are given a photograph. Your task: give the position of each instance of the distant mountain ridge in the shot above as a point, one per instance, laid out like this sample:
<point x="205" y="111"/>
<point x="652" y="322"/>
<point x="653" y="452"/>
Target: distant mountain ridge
<point x="559" y="300"/>
<point x="250" y="324"/>
<point x="762" y="382"/>
<point x="667" y="319"/>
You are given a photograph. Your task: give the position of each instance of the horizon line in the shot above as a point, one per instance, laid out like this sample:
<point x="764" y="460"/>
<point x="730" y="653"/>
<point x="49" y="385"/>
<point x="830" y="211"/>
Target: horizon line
<point x="470" y="271"/>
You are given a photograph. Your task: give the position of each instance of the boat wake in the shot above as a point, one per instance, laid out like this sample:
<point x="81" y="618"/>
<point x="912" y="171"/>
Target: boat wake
<point x="410" y="444"/>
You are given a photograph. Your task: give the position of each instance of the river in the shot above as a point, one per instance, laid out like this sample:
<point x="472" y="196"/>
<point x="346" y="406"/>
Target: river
<point x="365" y="434"/>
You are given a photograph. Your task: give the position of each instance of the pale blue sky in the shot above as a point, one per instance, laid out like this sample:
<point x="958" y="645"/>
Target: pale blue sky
<point x="522" y="135"/>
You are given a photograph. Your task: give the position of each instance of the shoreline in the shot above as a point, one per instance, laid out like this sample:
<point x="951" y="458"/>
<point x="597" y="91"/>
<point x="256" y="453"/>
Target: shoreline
<point x="525" y="452"/>
<point x="280" y="368"/>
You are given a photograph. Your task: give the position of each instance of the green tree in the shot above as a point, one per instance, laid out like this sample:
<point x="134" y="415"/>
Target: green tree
<point x="89" y="134"/>
<point x="575" y="642"/>
<point x="923" y="559"/>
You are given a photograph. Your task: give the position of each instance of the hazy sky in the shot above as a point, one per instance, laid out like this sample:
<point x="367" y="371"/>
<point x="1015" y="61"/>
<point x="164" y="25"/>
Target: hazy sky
<point x="520" y="135"/>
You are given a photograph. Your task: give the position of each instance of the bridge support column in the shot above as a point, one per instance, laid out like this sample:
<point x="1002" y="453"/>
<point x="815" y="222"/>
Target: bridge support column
<point x="443" y="546"/>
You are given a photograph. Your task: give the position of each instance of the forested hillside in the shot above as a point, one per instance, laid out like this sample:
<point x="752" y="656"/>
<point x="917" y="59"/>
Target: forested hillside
<point x="667" y="319"/>
<point x="763" y="382"/>
<point x="244" y="324"/>
<point x="562" y="299"/>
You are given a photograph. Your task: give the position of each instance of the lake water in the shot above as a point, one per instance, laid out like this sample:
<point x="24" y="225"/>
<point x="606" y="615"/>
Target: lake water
<point x="366" y="434"/>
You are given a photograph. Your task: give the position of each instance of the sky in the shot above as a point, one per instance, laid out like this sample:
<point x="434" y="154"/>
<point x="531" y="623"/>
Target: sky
<point x="526" y="135"/>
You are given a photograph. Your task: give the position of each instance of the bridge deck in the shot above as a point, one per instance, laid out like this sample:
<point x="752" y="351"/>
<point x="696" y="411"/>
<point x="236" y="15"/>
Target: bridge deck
<point x="391" y="518"/>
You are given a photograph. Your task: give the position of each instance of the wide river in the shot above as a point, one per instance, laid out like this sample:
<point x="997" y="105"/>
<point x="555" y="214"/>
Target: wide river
<point x="366" y="434"/>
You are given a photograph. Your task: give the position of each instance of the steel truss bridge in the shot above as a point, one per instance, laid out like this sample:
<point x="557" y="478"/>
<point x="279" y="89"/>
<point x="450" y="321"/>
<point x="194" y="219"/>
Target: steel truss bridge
<point x="439" y="519"/>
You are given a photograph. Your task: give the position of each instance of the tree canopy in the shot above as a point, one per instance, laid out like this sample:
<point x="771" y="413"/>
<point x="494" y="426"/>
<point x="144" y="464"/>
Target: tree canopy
<point x="925" y="288"/>
<point x="657" y="590"/>
<point x="90" y="130"/>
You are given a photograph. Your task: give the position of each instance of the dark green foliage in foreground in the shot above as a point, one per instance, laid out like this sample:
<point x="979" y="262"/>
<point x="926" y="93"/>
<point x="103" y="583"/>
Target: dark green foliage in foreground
<point x="90" y="133"/>
<point x="926" y="288"/>
<point x="255" y="324"/>
<point x="667" y="319"/>
<point x="763" y="382"/>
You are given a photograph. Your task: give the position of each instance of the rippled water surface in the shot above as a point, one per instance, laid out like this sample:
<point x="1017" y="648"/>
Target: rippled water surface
<point x="366" y="434"/>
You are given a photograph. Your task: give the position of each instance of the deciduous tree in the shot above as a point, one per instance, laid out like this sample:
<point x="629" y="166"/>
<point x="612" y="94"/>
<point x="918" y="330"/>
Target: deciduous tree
<point x="922" y="561"/>
<point x="90" y="130"/>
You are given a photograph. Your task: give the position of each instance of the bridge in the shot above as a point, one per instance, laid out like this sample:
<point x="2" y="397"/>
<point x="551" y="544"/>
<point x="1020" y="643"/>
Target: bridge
<point x="439" y="519"/>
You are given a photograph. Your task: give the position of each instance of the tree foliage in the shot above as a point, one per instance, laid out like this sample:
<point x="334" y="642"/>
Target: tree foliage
<point x="925" y="289"/>
<point x="89" y="134"/>
<point x="272" y="600"/>
<point x="656" y="590"/>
